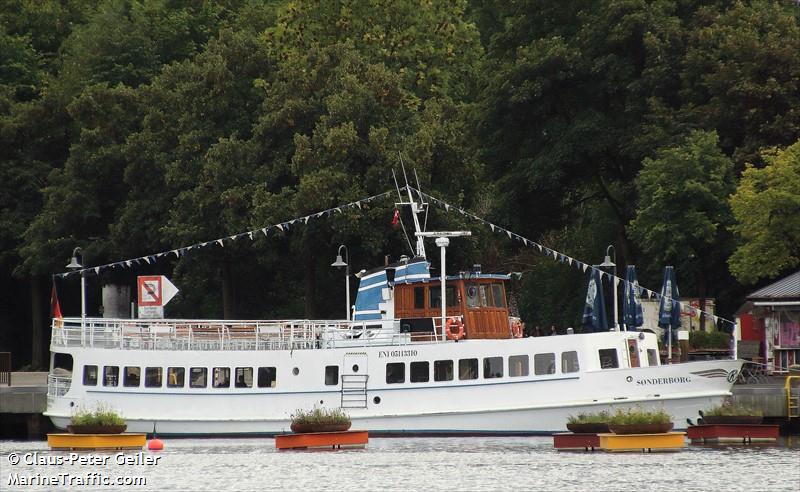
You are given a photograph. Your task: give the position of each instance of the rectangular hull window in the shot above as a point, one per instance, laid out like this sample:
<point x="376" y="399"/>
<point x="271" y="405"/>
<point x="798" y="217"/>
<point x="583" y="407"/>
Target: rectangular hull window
<point x="493" y="367"/>
<point x="544" y="364"/>
<point x="244" y="377"/>
<point x="175" y="377"/>
<point x="395" y="373"/>
<point x="420" y="372"/>
<point x="267" y="377"/>
<point x="443" y="370"/>
<point x="569" y="362"/>
<point x="467" y="369"/>
<point x="222" y="377"/>
<point x="198" y="377"/>
<point x="90" y="375"/>
<point x="110" y="376"/>
<point x="518" y="365"/>
<point x="152" y="377"/>
<point x="608" y="358"/>
<point x="132" y="377"/>
<point x="331" y="375"/>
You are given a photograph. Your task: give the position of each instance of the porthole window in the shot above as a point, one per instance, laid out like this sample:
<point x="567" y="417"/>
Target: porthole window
<point x="376" y="400"/>
<point x="295" y="371"/>
<point x="355" y="367"/>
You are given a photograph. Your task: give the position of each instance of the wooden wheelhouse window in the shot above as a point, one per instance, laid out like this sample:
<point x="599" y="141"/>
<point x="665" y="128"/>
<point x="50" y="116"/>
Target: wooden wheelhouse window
<point x="435" y="296"/>
<point x="152" y="377"/>
<point x="110" y="376"/>
<point x="90" y="375"/>
<point x="419" y="297"/>
<point x="498" y="299"/>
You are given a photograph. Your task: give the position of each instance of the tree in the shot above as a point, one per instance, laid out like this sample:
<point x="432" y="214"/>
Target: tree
<point x="766" y="207"/>
<point x="682" y="215"/>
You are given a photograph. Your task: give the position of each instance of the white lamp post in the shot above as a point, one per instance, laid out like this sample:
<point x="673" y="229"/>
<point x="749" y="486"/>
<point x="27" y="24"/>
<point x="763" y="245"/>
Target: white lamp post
<point x="607" y="263"/>
<point x="76" y="264"/>
<point x="346" y="264"/>
<point x="442" y="241"/>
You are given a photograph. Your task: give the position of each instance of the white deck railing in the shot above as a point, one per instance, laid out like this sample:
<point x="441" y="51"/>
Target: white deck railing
<point x="140" y="334"/>
<point x="58" y="385"/>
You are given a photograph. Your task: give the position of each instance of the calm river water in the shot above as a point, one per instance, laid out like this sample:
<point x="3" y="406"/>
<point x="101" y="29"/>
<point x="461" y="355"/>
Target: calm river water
<point x="474" y="463"/>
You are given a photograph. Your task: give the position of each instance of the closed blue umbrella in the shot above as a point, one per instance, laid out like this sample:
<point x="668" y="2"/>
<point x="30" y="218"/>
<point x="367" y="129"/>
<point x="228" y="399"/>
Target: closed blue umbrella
<point x="594" y="312"/>
<point x="632" y="304"/>
<point x="669" y="307"/>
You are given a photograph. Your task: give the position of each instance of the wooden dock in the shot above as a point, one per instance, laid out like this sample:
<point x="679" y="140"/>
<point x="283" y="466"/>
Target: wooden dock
<point x="646" y="443"/>
<point x="333" y="440"/>
<point x="96" y="441"/>
<point x="744" y="433"/>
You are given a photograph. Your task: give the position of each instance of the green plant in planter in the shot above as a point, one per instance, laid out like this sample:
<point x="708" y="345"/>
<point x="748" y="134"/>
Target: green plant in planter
<point x="639" y="416"/>
<point x="602" y="417"/>
<point x="101" y="414"/>
<point x="320" y="416"/>
<point x="732" y="409"/>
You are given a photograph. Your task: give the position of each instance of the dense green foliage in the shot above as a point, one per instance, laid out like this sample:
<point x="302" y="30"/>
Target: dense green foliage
<point x="130" y="127"/>
<point x="709" y="339"/>
<point x="99" y="415"/>
<point x="320" y="416"/>
<point x="639" y="416"/>
<point x="729" y="409"/>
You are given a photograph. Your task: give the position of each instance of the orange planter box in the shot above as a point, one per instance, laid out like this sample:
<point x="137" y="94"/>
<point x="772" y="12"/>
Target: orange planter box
<point x="322" y="440"/>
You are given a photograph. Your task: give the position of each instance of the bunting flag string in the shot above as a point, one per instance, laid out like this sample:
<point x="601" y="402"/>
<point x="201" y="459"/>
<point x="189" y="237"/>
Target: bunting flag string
<point x="178" y="252"/>
<point x="555" y="255"/>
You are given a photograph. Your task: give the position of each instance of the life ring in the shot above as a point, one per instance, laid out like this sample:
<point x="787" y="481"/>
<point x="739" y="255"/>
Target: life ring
<point x="459" y="333"/>
<point x="516" y="328"/>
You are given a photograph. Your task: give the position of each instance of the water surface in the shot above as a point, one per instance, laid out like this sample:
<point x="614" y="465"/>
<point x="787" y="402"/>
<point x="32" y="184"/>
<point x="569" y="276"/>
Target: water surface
<point x="473" y="463"/>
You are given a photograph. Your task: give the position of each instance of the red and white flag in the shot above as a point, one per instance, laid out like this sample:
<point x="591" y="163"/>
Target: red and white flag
<point x="55" y="306"/>
<point x="396" y="218"/>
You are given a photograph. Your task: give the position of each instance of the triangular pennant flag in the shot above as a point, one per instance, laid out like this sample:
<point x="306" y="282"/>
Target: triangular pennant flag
<point x="525" y="241"/>
<point x="220" y="242"/>
<point x="447" y="207"/>
<point x="264" y="230"/>
<point x="539" y="246"/>
<point x="358" y="204"/>
<point x="569" y="261"/>
<point x="509" y="234"/>
<point x="280" y="226"/>
<point x="585" y="266"/>
<point x="128" y="263"/>
<point x="176" y="252"/>
<point x="555" y="254"/>
<point x="491" y="226"/>
<point x="338" y="209"/>
<point x="305" y="219"/>
<point x="250" y="234"/>
<point x="97" y="270"/>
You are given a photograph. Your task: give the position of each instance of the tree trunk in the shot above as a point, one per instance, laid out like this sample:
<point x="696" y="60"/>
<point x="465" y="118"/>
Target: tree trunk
<point x="702" y="291"/>
<point x="228" y="291"/>
<point x="310" y="283"/>
<point x="38" y="323"/>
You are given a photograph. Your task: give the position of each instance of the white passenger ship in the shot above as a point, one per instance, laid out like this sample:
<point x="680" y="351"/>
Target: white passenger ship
<point x="393" y="369"/>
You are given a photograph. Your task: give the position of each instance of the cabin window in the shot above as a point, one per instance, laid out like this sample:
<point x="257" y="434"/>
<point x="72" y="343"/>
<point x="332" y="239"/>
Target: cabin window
<point x="493" y="367"/>
<point x="110" y="376"/>
<point x="498" y="299"/>
<point x="244" y="377"/>
<point x="198" y="377"/>
<point x="419" y="297"/>
<point x="435" y="295"/>
<point x="222" y="377"/>
<point x="332" y="375"/>
<point x="569" y="362"/>
<point x="132" y="377"/>
<point x="395" y="372"/>
<point x="472" y="296"/>
<point x="468" y="369"/>
<point x="152" y="377"/>
<point x="90" y="375"/>
<point x="485" y="294"/>
<point x="544" y="364"/>
<point x="443" y="370"/>
<point x="267" y="377"/>
<point x="608" y="358"/>
<point x="517" y="365"/>
<point x="652" y="357"/>
<point x="420" y="372"/>
<point x="175" y="377"/>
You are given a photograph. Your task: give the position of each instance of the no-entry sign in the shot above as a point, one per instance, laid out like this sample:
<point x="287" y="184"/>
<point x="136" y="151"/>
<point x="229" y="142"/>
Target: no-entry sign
<point x="154" y="292"/>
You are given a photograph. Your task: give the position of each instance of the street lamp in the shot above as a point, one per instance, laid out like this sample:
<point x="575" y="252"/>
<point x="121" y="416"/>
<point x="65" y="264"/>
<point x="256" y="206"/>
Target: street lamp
<point x="607" y="263"/>
<point x="442" y="241"/>
<point x="76" y="264"/>
<point x="346" y="264"/>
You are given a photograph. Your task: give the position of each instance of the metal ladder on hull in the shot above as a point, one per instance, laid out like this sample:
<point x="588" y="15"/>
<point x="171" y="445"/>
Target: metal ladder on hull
<point x="792" y="397"/>
<point x="354" y="390"/>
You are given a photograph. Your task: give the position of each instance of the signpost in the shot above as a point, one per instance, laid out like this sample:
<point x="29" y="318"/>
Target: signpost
<point x="154" y="292"/>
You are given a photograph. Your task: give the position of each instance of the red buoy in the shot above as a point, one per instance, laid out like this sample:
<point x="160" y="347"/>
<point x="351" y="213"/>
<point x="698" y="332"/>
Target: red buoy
<point x="155" y="444"/>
